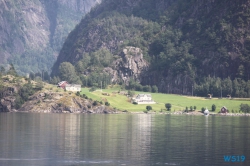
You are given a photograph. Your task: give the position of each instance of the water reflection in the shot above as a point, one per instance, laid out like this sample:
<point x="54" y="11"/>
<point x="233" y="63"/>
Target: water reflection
<point x="71" y="139"/>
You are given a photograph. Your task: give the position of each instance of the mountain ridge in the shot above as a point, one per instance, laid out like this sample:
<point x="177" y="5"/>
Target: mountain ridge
<point x="184" y="42"/>
<point x="33" y="31"/>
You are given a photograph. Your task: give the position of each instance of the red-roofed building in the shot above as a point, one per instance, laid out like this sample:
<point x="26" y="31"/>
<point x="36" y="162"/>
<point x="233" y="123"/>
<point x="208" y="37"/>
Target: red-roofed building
<point x="62" y="84"/>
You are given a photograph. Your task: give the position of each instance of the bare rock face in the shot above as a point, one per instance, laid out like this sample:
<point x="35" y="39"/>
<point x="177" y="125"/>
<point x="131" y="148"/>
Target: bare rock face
<point x="38" y="25"/>
<point x="7" y="101"/>
<point x="130" y="65"/>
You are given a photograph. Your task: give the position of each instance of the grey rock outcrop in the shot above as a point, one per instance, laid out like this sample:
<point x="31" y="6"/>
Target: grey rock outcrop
<point x="130" y="65"/>
<point x="38" y="25"/>
<point x="7" y="101"/>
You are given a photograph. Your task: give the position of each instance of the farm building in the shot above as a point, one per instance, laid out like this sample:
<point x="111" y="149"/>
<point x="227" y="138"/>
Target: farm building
<point x="223" y="110"/>
<point x="62" y="84"/>
<point x="73" y="87"/>
<point x="143" y="99"/>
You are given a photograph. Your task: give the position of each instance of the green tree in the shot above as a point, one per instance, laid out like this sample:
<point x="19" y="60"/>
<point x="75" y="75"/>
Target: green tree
<point x="131" y="93"/>
<point x="46" y="76"/>
<point x="147" y="88"/>
<point x="39" y="85"/>
<point x="154" y="89"/>
<point x="168" y="106"/>
<point x="55" y="80"/>
<point x="202" y="109"/>
<point x="67" y="73"/>
<point x="139" y="87"/>
<point x="12" y="70"/>
<point x="245" y="108"/>
<point x="18" y="102"/>
<point x="95" y="103"/>
<point x="107" y="103"/>
<point x="213" y="107"/>
<point x="148" y="108"/>
<point x="2" y="70"/>
<point x="25" y="91"/>
<point x="32" y="75"/>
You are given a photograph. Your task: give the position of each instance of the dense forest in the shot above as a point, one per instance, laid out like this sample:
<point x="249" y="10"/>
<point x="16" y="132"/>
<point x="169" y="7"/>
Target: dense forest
<point x="194" y="47"/>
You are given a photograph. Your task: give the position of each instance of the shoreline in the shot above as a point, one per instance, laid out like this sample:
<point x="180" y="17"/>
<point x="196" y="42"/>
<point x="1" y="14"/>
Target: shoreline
<point x="149" y="113"/>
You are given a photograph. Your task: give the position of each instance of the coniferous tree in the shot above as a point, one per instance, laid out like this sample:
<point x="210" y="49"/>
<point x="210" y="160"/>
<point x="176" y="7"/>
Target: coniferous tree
<point x="12" y="70"/>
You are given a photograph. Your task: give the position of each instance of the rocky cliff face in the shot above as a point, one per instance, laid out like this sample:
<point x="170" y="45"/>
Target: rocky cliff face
<point x="31" y="28"/>
<point x="130" y="65"/>
<point x="7" y="101"/>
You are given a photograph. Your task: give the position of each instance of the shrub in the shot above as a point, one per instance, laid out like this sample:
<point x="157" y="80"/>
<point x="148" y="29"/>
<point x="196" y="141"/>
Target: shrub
<point x="168" y="106"/>
<point x="213" y="107"/>
<point x="131" y="93"/>
<point x="107" y="103"/>
<point x="202" y="109"/>
<point x="245" y="108"/>
<point x="77" y="93"/>
<point x="148" y="108"/>
<point x="92" y="89"/>
<point x="95" y="103"/>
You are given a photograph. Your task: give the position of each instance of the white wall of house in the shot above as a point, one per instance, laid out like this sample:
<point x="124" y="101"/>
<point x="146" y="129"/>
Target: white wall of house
<point x="144" y="99"/>
<point x="74" y="88"/>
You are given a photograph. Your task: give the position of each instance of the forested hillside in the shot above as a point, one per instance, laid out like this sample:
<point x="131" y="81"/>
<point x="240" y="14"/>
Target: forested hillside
<point x="193" y="47"/>
<point x="32" y="31"/>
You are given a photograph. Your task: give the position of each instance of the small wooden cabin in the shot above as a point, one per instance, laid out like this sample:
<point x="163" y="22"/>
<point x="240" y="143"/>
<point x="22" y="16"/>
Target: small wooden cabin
<point x="223" y="110"/>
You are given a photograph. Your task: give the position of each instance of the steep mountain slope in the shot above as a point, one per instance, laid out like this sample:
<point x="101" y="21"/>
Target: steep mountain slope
<point x="184" y="42"/>
<point x="33" y="31"/>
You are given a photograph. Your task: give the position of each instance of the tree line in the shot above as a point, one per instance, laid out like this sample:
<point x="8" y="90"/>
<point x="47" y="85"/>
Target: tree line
<point x="218" y="87"/>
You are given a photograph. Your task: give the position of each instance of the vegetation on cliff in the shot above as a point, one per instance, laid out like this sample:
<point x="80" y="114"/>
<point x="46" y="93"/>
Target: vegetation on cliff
<point x="198" y="47"/>
<point x="23" y="94"/>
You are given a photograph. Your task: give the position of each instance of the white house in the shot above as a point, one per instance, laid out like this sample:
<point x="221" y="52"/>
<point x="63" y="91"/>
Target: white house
<point x="73" y="87"/>
<point x="143" y="99"/>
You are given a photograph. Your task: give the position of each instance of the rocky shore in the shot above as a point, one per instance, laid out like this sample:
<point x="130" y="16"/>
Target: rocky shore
<point x="49" y="100"/>
<point x="63" y="102"/>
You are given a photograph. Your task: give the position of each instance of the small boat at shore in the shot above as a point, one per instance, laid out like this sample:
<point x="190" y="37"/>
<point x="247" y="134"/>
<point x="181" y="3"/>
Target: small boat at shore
<point x="206" y="112"/>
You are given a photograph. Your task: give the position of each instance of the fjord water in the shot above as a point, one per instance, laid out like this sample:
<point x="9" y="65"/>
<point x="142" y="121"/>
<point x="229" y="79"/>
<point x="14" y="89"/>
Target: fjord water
<point x="121" y="139"/>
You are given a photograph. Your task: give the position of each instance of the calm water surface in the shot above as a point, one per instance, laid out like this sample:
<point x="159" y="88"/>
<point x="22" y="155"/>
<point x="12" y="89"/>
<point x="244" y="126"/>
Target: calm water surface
<point x="134" y="140"/>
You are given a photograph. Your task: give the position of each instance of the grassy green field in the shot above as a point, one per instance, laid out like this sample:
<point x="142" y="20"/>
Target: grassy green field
<point x="178" y="102"/>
